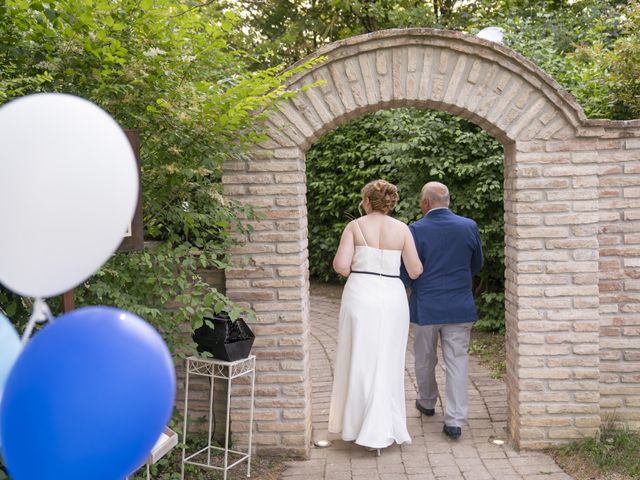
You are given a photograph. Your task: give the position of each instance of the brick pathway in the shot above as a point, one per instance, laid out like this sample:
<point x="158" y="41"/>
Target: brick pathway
<point x="431" y="455"/>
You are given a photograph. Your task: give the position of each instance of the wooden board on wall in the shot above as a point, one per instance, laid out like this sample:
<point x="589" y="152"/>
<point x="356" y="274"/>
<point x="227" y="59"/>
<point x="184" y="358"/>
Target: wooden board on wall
<point x="134" y="238"/>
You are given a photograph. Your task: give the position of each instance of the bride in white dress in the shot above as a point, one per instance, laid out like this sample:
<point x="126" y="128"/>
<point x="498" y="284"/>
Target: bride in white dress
<point x="367" y="400"/>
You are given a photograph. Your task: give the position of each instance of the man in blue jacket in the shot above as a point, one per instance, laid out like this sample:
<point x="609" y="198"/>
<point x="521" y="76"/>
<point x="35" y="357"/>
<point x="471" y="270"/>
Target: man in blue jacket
<point x="441" y="303"/>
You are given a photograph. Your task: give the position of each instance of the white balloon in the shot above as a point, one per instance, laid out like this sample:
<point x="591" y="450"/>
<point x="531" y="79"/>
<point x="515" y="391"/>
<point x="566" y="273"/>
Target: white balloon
<point x="68" y="191"/>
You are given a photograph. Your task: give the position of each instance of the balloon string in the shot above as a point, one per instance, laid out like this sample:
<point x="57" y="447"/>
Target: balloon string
<point x="40" y="313"/>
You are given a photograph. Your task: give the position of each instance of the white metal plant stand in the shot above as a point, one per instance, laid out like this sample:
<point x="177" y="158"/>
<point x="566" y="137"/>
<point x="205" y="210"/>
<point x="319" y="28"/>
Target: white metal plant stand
<point x="214" y="368"/>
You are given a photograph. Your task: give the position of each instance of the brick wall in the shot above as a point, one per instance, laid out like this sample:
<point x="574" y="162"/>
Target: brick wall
<point x="572" y="190"/>
<point x="619" y="282"/>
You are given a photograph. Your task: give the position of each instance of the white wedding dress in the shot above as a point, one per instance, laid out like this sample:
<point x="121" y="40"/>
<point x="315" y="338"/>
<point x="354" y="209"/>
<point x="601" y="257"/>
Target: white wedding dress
<point x="367" y="400"/>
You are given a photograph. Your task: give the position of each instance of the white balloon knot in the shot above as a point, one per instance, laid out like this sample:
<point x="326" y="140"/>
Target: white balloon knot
<point x="39" y="314"/>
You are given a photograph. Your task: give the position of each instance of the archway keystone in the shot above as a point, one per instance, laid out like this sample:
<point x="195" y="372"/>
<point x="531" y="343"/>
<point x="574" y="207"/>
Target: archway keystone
<point x="572" y="230"/>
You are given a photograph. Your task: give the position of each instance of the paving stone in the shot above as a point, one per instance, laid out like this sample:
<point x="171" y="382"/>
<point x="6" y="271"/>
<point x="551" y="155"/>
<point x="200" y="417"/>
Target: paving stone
<point x="447" y="471"/>
<point x="478" y="475"/>
<point x="503" y="472"/>
<point x="552" y="476"/>
<point x="417" y="470"/>
<point x="416" y="463"/>
<point x="392" y="468"/>
<point x="535" y="469"/>
<point x="392" y="476"/>
<point x="439" y="459"/>
<point x="421" y="476"/>
<point x="469" y="464"/>
<point x="344" y="466"/>
<point x="465" y="451"/>
<point x="450" y="476"/>
<point x="497" y="463"/>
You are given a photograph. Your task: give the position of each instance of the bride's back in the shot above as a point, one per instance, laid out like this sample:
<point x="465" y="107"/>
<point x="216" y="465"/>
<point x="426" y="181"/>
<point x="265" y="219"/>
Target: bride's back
<point x="377" y="230"/>
<point x="380" y="231"/>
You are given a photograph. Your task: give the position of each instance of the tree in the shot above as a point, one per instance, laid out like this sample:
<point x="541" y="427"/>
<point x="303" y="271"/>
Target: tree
<point x="624" y="61"/>
<point x="553" y="34"/>
<point x="292" y="29"/>
<point x="167" y="70"/>
<point x="612" y="65"/>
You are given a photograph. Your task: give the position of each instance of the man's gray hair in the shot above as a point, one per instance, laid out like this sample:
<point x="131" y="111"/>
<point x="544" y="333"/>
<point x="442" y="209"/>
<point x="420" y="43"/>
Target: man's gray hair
<point x="437" y="193"/>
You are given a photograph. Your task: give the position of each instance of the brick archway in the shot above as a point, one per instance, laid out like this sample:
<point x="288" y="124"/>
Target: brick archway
<point x="572" y="230"/>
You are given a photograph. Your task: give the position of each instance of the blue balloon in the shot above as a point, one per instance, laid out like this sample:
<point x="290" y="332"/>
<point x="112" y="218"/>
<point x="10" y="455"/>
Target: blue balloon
<point x="87" y="398"/>
<point x="10" y="348"/>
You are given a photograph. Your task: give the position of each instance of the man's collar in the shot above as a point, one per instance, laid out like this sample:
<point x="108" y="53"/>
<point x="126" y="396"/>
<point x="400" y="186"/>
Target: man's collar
<point x="437" y="208"/>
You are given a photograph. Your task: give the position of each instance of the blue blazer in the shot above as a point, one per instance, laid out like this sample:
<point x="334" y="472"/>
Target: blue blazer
<point x="450" y="249"/>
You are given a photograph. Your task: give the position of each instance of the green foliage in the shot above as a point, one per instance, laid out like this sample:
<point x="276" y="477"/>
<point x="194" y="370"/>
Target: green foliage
<point x="164" y="68"/>
<point x="410" y="147"/>
<point x="588" y="46"/>
<point x="14" y="307"/>
<point x="490" y="306"/>
<point x="624" y="61"/>
<point x="613" y="452"/>
<point x="611" y="66"/>
<point x="287" y="30"/>
<point x="556" y="41"/>
<point x="490" y="348"/>
<point x="579" y="43"/>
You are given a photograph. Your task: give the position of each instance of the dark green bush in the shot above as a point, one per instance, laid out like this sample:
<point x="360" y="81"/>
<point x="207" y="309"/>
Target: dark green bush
<point x="410" y="147"/>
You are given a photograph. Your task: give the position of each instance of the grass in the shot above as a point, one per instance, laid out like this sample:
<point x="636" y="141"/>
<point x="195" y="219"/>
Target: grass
<point x="491" y="351"/>
<point x="612" y="455"/>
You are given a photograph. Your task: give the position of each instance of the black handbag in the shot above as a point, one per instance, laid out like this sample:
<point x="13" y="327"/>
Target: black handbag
<point x="228" y="340"/>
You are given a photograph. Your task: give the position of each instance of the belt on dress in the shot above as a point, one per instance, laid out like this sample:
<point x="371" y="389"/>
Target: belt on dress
<point x="374" y="273"/>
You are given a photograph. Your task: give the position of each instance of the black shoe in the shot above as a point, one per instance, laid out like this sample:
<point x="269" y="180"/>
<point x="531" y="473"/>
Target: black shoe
<point x="452" y="432"/>
<point x="429" y="412"/>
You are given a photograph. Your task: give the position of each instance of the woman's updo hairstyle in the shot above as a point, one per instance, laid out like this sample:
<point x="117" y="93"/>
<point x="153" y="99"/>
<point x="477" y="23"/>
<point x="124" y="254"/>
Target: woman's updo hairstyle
<point x="382" y="195"/>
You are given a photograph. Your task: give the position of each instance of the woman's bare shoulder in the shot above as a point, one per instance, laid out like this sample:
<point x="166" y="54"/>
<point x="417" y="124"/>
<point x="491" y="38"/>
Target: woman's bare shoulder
<point x="398" y="223"/>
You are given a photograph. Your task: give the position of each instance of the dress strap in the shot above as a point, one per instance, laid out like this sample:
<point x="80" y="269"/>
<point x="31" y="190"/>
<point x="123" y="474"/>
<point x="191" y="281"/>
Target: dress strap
<point x="361" y="234"/>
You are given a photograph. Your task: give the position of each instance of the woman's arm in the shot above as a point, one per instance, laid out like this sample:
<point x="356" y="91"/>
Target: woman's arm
<point x="344" y="254"/>
<point x="410" y="257"/>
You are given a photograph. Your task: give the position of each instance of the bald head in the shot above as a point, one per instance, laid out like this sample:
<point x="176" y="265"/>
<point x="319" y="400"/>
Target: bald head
<point x="434" y="195"/>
